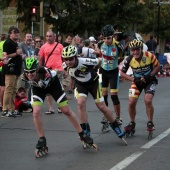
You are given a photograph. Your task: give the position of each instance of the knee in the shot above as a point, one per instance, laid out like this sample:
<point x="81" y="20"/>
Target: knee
<point x="66" y="110"/>
<point x="115" y="99"/>
<point x="148" y="101"/>
<point x="36" y="114"/>
<point x="132" y="104"/>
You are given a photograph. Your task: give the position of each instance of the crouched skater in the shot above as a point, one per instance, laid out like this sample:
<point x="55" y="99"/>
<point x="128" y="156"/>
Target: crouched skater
<point x="45" y="81"/>
<point x="86" y="81"/>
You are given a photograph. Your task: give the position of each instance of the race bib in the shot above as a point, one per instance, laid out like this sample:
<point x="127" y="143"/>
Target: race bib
<point x="131" y="92"/>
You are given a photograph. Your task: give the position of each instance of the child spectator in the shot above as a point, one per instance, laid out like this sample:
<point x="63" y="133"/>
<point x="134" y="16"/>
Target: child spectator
<point x="21" y="101"/>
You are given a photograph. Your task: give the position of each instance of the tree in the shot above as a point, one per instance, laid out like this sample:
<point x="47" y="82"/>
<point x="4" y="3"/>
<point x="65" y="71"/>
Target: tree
<point x="89" y="16"/>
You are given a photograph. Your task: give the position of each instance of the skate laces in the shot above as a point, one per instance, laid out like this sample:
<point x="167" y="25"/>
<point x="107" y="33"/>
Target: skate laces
<point x="119" y="120"/>
<point x="104" y="120"/>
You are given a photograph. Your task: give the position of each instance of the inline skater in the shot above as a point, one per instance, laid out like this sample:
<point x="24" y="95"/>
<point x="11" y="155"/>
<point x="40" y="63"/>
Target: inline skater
<point x="86" y="81"/>
<point x="111" y="52"/>
<point x="45" y="81"/>
<point x="144" y="66"/>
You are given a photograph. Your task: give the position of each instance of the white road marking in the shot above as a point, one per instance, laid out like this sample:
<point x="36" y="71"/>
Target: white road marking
<point x="127" y="161"/>
<point x="156" y="140"/>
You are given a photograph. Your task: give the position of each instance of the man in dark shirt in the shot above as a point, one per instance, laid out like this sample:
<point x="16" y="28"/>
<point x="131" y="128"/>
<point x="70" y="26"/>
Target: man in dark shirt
<point x="151" y="44"/>
<point x="12" y="72"/>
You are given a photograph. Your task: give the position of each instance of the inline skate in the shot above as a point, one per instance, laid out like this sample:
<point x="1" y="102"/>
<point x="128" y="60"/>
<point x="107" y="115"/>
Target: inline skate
<point x="120" y="133"/>
<point x="119" y="120"/>
<point x="150" y="129"/>
<point x="130" y="129"/>
<point x="85" y="138"/>
<point x="105" y="125"/>
<point x="41" y="147"/>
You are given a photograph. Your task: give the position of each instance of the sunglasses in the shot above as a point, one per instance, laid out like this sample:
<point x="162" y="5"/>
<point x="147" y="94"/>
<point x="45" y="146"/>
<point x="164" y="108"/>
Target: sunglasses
<point x="31" y="72"/>
<point x="15" y="32"/>
<point x="69" y="59"/>
<point x="135" y="49"/>
<point x="37" y="41"/>
<point x="107" y="38"/>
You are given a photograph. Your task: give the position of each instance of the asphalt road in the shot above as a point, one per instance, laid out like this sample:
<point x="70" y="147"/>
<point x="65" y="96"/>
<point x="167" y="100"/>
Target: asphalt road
<point x="18" y="139"/>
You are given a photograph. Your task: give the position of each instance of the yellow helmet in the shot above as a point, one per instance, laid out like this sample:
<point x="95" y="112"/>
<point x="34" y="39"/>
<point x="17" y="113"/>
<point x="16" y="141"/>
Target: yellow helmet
<point x="136" y="44"/>
<point x="69" y="51"/>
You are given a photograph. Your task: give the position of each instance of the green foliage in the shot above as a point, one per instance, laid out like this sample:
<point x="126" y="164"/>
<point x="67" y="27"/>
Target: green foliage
<point x="89" y="16"/>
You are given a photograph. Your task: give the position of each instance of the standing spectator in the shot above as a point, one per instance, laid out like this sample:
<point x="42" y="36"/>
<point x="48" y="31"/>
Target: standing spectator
<point x="68" y="81"/>
<point x="111" y="50"/>
<point x="37" y="45"/>
<point x="88" y="51"/>
<point x="12" y="72"/>
<point x="152" y="45"/>
<point x="59" y="39"/>
<point x="2" y="75"/>
<point x="52" y="61"/>
<point x="27" y="51"/>
<point x="68" y="40"/>
<point x="77" y="42"/>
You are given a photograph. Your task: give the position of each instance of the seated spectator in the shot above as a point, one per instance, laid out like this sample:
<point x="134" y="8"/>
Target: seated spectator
<point x="21" y="101"/>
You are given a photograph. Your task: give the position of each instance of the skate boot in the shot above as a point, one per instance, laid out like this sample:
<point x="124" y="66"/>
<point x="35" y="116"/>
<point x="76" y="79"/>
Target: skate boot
<point x="87" y="141"/>
<point x="86" y="128"/>
<point x="120" y="133"/>
<point x="105" y="126"/>
<point x="130" y="129"/>
<point x="41" y="147"/>
<point x="150" y="129"/>
<point x="119" y="120"/>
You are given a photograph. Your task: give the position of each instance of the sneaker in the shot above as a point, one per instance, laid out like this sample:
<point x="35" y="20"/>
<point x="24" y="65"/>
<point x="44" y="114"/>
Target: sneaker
<point x="119" y="120"/>
<point x="29" y="110"/>
<point x="4" y="113"/>
<point x="10" y="114"/>
<point x="59" y="111"/>
<point x="150" y="126"/>
<point x="17" y="113"/>
<point x="49" y="112"/>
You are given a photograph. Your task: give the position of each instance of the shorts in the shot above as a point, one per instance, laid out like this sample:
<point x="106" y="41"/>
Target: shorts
<point x="93" y="88"/>
<point x="110" y="77"/>
<point x="55" y="89"/>
<point x="135" y="91"/>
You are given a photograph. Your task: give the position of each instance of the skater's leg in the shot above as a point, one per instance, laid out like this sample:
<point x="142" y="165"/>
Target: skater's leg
<point x="82" y="112"/>
<point x="149" y="106"/>
<point x="71" y="116"/>
<point x="132" y="108"/>
<point x="37" y="116"/>
<point x="106" y="111"/>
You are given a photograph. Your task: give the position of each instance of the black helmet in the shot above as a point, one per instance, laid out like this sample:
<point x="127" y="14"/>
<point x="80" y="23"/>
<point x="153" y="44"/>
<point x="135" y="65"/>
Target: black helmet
<point x="107" y="30"/>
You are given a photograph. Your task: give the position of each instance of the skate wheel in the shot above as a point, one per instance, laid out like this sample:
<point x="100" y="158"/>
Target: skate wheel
<point x="123" y="139"/>
<point x="126" y="134"/>
<point x="95" y="147"/>
<point x="150" y="135"/>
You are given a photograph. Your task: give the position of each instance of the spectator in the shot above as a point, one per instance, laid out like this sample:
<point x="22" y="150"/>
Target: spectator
<point x="152" y="45"/>
<point x="2" y="75"/>
<point x="52" y="61"/>
<point x="27" y="51"/>
<point x="12" y="72"/>
<point x="22" y="104"/>
<point x="37" y="45"/>
<point x="87" y="51"/>
<point x="68" y="81"/>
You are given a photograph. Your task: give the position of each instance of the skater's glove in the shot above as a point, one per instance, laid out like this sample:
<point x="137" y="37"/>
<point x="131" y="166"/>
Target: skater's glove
<point x="149" y="78"/>
<point x="137" y="81"/>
